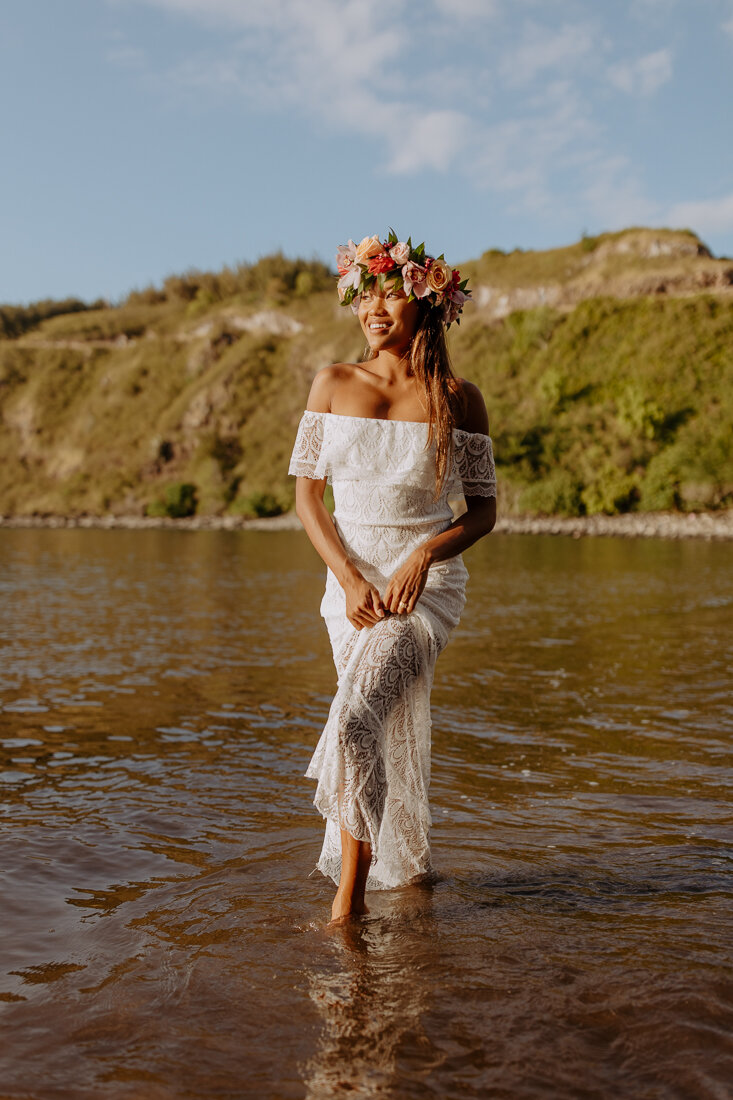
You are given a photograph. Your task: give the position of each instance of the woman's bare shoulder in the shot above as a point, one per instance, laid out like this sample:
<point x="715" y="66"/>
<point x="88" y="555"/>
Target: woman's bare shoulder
<point x="475" y="417"/>
<point x="325" y="384"/>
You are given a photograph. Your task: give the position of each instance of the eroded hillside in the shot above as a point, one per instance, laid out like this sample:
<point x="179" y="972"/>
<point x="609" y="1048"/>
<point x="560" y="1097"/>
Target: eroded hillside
<point x="607" y="367"/>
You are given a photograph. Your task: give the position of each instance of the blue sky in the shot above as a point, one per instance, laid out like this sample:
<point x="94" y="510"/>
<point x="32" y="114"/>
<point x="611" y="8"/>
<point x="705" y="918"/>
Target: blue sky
<point x="144" y="137"/>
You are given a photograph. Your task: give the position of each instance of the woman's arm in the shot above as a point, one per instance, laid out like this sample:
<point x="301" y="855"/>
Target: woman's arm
<point x="364" y="605"/>
<point x="406" y="585"/>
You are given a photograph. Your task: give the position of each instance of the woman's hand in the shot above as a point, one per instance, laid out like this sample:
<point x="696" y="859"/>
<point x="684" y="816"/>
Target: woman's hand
<point x="364" y="605"/>
<point x="406" y="584"/>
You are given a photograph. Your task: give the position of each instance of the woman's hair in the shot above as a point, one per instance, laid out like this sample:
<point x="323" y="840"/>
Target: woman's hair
<point x="431" y="366"/>
<point x="445" y="403"/>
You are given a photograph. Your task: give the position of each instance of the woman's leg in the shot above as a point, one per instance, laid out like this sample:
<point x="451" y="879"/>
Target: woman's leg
<point x="356" y="858"/>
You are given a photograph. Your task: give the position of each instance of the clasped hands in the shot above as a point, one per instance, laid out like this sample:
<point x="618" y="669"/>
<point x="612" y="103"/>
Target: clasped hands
<point x="365" y="606"/>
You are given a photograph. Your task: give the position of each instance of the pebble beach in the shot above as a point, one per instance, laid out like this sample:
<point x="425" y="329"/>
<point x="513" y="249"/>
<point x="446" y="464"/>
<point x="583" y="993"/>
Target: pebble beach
<point x="666" y="525"/>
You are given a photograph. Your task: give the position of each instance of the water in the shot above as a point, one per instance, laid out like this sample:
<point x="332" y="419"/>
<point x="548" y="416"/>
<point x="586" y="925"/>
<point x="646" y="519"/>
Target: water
<point x="162" y="935"/>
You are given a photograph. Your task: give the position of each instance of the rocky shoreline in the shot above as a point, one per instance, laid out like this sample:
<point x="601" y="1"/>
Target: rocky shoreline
<point x="667" y="525"/>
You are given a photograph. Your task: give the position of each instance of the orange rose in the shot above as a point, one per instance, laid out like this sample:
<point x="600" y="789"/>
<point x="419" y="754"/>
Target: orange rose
<point x="369" y="247"/>
<point x="439" y="276"/>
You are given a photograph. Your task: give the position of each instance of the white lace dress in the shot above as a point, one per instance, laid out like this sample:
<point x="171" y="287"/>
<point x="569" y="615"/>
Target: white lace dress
<point x="372" y="762"/>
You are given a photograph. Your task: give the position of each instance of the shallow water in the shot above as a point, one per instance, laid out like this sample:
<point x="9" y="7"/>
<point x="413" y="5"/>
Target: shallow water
<point x="163" y="937"/>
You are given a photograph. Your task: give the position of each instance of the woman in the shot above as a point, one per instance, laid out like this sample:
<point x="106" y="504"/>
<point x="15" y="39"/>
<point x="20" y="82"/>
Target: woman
<point x="395" y="435"/>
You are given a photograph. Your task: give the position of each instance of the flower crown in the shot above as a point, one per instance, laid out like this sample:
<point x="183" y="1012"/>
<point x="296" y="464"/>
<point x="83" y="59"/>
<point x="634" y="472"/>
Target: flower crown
<point x="426" y="277"/>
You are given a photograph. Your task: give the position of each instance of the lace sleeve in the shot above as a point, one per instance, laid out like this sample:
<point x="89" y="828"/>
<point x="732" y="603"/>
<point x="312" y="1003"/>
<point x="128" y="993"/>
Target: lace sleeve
<point x="305" y="460"/>
<point x="473" y="464"/>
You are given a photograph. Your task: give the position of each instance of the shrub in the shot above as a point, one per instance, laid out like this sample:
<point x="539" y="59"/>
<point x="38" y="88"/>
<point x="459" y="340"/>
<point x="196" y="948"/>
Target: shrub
<point x="639" y="415"/>
<point x="557" y="494"/>
<point x="305" y="284"/>
<point x="275" y="276"/>
<point x="278" y="275"/>
<point x="259" y="505"/>
<point x="611" y="491"/>
<point x="15" y="320"/>
<point x="101" y="324"/>
<point x="203" y="301"/>
<point x="178" y="501"/>
<point x="182" y="288"/>
<point x="148" y="296"/>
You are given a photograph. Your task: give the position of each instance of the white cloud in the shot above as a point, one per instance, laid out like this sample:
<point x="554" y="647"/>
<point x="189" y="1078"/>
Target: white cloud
<point x="613" y="195"/>
<point x="652" y="9"/>
<point x="542" y="49"/>
<point x="522" y="154"/>
<point x="461" y="11"/>
<point x="358" y="70"/>
<point x="643" y="76"/>
<point x="127" y="57"/>
<point x="727" y="25"/>
<point x="229" y="12"/>
<point x="432" y="140"/>
<point x="703" y="215"/>
<point x="339" y="61"/>
<point x="121" y="53"/>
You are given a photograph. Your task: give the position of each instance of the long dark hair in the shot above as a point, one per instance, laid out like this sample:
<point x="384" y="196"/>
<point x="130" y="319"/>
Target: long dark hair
<point x="431" y="366"/>
<point x="444" y="401"/>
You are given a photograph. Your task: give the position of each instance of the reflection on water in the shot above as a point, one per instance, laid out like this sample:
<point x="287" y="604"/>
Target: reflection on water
<point x="161" y="693"/>
<point x="371" y="996"/>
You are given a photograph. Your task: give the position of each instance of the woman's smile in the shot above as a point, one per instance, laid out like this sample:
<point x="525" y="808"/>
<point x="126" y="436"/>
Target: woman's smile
<point x="388" y="319"/>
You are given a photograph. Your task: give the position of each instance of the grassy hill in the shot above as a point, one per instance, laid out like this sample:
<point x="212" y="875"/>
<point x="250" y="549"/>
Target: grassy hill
<point x="607" y="367"/>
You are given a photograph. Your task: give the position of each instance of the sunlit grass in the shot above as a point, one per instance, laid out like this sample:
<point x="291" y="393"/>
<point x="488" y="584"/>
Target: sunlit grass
<point x="618" y="404"/>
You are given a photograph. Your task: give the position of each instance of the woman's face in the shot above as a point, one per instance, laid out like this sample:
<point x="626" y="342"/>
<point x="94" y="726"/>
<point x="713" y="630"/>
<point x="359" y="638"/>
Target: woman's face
<point x="389" y="321"/>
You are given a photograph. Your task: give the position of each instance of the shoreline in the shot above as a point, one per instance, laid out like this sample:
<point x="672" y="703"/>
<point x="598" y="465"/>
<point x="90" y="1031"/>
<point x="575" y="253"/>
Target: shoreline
<point x="667" y="525"/>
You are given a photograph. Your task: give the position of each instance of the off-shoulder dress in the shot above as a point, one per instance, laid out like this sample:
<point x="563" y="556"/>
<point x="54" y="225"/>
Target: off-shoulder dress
<point x="372" y="762"/>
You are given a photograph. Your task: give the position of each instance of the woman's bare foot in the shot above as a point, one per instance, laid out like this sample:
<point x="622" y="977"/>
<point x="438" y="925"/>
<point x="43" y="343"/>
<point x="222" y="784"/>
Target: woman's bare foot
<point x="356" y="858"/>
<point x="345" y="907"/>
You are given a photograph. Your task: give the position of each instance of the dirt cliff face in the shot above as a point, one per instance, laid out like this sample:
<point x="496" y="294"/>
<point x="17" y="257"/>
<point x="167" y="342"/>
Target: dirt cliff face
<point x="633" y="263"/>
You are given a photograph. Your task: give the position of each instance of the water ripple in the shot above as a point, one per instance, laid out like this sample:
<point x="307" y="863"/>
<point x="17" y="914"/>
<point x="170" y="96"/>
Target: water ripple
<point x="160" y="695"/>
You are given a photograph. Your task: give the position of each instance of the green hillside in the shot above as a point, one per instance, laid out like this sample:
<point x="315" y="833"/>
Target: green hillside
<point x="607" y="368"/>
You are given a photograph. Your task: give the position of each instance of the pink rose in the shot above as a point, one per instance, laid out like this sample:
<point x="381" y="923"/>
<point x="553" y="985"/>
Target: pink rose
<point x="414" y="280"/>
<point x="400" y="253"/>
<point x="369" y="247"/>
